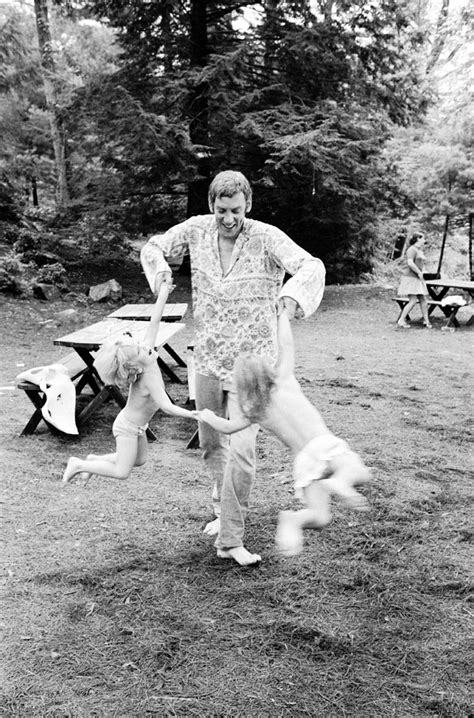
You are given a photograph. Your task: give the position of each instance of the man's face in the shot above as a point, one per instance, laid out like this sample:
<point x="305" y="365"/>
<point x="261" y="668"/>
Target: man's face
<point x="230" y="214"/>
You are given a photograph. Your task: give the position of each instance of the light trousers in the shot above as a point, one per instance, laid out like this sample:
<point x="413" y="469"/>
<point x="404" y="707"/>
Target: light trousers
<point x="231" y="460"/>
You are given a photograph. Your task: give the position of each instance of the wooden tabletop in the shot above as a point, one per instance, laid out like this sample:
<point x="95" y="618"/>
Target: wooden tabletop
<point x="93" y="336"/>
<point x="453" y="283"/>
<point x="142" y="312"/>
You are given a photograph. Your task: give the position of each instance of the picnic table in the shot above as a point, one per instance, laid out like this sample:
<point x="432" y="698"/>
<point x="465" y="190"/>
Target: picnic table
<point x="142" y="312"/>
<point x="438" y="288"/>
<point x="439" y="292"/>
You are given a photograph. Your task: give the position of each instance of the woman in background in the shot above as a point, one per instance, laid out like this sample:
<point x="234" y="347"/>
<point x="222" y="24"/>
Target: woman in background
<point x="412" y="283"/>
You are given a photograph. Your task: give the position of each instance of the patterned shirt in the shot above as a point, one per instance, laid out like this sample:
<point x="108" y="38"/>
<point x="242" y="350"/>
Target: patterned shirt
<point x="235" y="312"/>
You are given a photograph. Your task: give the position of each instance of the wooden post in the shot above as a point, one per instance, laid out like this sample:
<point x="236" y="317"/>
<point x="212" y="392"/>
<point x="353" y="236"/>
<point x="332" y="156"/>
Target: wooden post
<point x="471" y="268"/>
<point x="445" y="234"/>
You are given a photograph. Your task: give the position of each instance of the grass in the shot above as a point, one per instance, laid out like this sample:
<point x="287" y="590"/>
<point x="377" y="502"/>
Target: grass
<point x="114" y="604"/>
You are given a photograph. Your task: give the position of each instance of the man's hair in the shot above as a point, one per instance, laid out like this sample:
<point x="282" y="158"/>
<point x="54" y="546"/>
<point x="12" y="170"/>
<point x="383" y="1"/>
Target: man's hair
<point x="254" y="380"/>
<point x="117" y="361"/>
<point x="228" y="183"/>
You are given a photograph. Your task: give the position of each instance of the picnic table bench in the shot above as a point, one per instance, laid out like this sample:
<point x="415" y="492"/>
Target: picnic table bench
<point x="449" y="310"/>
<point x="77" y="371"/>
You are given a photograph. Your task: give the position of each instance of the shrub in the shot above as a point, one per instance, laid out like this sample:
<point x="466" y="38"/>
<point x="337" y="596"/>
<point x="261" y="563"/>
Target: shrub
<point x="15" y="275"/>
<point x="53" y="274"/>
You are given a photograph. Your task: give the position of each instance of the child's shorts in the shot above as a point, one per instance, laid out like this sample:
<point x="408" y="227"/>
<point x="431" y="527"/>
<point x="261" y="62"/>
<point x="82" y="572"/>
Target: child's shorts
<point x="123" y="427"/>
<point x="313" y="461"/>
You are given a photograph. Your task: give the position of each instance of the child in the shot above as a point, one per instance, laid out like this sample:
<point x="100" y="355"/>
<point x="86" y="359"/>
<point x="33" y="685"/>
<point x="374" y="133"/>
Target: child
<point x="129" y="360"/>
<point x="323" y="464"/>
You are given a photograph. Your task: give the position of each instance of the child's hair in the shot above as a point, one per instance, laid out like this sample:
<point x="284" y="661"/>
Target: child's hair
<point x="117" y="361"/>
<point x="254" y="379"/>
<point x="228" y="183"/>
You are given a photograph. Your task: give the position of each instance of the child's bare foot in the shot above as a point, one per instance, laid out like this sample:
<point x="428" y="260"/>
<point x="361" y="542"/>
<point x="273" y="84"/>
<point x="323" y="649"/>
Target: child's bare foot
<point x="72" y="468"/>
<point x="85" y="476"/>
<point x="239" y="554"/>
<point x="213" y="527"/>
<point x="289" y="534"/>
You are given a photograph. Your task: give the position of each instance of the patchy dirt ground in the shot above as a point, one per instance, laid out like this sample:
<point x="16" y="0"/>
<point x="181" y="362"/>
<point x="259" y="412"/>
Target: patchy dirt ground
<point x="115" y="604"/>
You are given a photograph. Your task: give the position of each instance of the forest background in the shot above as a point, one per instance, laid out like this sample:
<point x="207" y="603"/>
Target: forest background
<point x="352" y="120"/>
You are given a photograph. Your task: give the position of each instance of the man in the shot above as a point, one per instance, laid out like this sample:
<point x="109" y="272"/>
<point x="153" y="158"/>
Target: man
<point x="237" y="270"/>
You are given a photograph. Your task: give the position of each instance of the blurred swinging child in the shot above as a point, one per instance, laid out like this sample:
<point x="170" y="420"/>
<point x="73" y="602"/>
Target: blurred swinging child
<point x="129" y="360"/>
<point x="323" y="464"/>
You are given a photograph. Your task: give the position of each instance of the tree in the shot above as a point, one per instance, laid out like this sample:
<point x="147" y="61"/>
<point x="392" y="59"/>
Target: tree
<point x="51" y="93"/>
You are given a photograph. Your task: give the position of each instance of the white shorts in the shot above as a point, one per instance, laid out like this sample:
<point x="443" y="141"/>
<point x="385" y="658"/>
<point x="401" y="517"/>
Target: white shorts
<point x="312" y="462"/>
<point x="125" y="427"/>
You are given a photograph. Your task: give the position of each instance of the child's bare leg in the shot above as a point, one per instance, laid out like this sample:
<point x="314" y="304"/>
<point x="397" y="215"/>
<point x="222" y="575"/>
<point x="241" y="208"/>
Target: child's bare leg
<point x="317" y="515"/>
<point x="289" y="533"/>
<point x="120" y="468"/>
<point x="239" y="554"/>
<point x="142" y="450"/>
<point x="348" y="471"/>
<point x="103" y="457"/>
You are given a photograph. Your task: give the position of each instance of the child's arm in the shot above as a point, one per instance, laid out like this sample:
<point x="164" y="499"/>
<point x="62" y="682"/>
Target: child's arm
<point x="156" y="388"/>
<point x="286" y="347"/>
<point x="157" y="313"/>
<point x="224" y="426"/>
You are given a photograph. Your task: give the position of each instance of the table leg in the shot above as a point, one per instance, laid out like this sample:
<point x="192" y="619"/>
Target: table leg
<point x="437" y="293"/>
<point x="36" y="417"/>
<point x="179" y="361"/>
<point x="168" y="371"/>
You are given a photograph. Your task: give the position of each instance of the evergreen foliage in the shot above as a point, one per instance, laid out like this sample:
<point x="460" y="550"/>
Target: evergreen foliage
<point x="155" y="98"/>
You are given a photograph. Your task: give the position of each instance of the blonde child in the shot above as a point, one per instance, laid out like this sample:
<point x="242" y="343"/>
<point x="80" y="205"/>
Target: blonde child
<point x="128" y="360"/>
<point x="323" y="464"/>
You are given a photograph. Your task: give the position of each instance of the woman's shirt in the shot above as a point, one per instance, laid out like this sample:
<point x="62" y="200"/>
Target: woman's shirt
<point x="416" y="256"/>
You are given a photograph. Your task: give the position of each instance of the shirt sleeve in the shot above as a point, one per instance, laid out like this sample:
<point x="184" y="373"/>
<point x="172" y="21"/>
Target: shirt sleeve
<point x="306" y="286"/>
<point x="163" y="250"/>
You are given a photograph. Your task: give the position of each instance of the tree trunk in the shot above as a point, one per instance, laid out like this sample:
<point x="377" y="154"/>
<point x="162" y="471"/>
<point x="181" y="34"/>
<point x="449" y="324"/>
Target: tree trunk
<point x="56" y="124"/>
<point x="271" y="33"/>
<point x="440" y="36"/>
<point x="167" y="37"/>
<point x="199" y="124"/>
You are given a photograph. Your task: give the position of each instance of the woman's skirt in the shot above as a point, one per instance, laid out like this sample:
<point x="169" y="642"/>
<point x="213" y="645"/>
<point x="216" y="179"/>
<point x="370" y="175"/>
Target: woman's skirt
<point x="411" y="285"/>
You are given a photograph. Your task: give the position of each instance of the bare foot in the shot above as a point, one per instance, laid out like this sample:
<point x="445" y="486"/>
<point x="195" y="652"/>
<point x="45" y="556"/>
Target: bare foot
<point x="239" y="554"/>
<point x="213" y="527"/>
<point x="72" y="468"/>
<point x="289" y="534"/>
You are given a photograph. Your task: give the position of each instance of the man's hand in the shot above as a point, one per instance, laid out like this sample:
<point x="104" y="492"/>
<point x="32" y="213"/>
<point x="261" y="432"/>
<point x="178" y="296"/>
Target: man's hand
<point x="289" y="304"/>
<point x="163" y="277"/>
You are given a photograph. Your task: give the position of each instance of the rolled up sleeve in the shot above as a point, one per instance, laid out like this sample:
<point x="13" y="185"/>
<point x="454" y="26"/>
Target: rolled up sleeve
<point x="163" y="251"/>
<point x="306" y="285"/>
